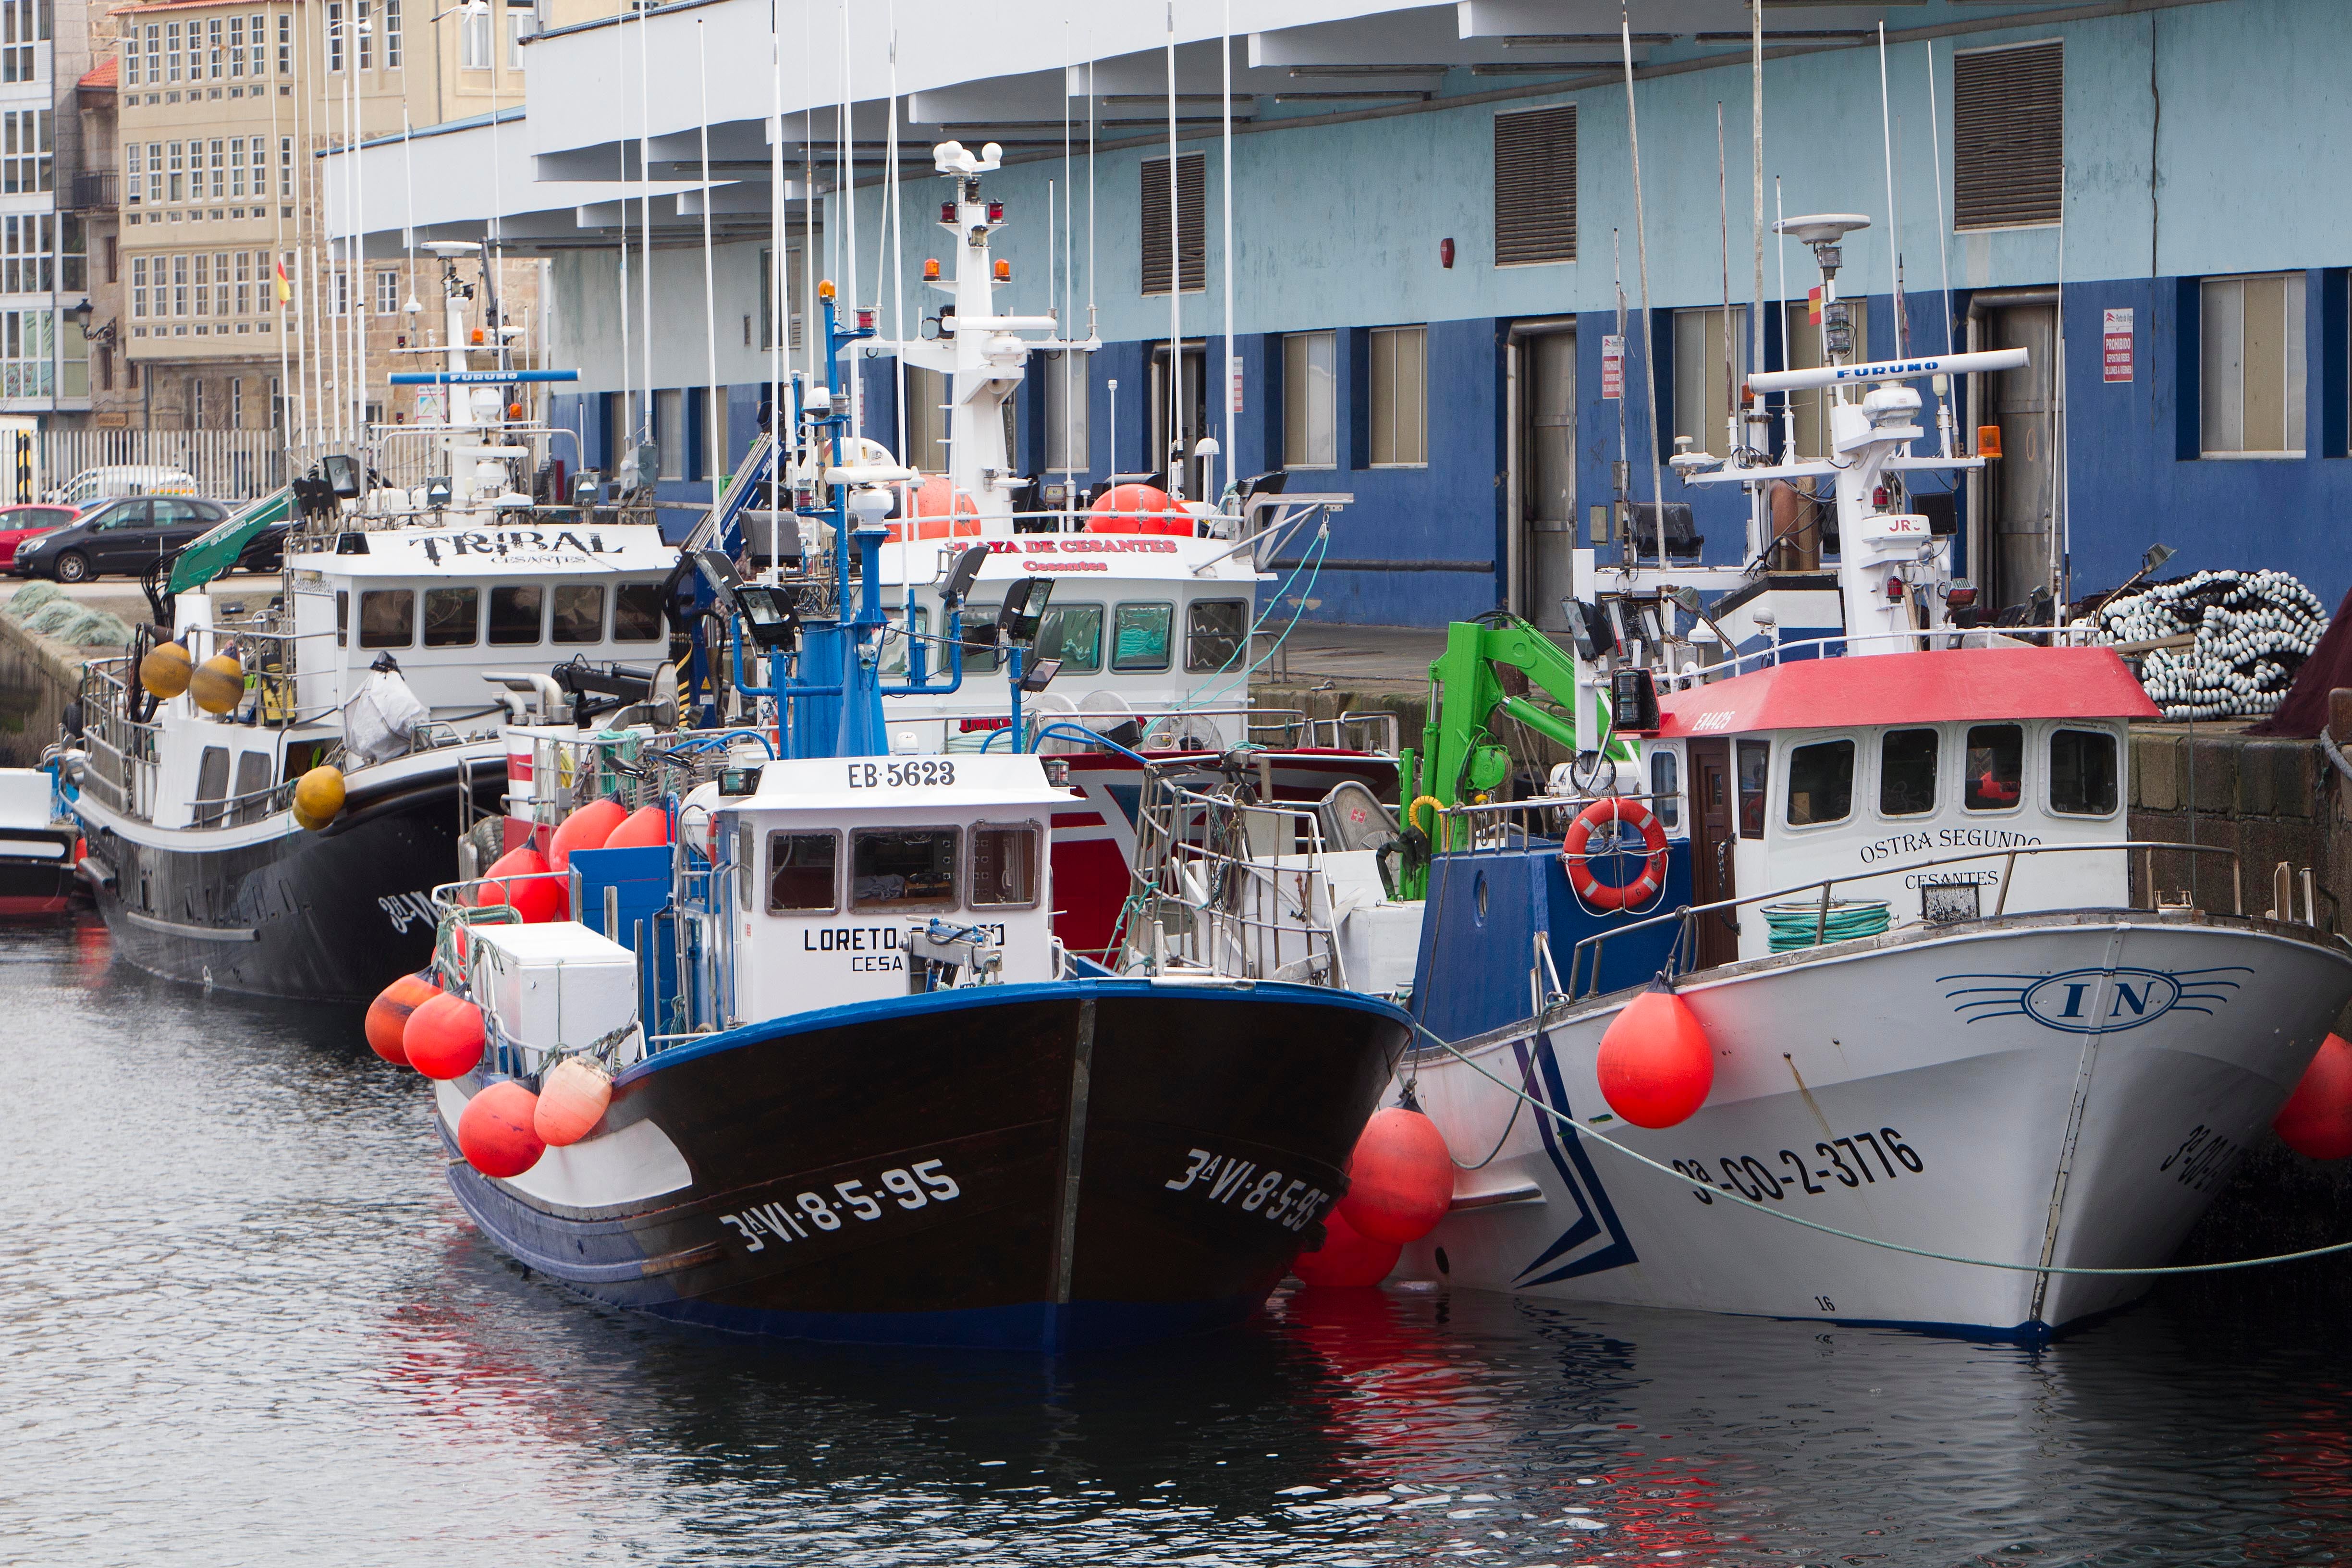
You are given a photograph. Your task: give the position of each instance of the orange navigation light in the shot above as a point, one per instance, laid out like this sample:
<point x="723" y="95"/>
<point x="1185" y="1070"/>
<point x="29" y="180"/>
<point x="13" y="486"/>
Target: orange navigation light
<point x="824" y="288"/>
<point x="1987" y="440"/>
<point x="478" y="334"/>
<point x="1005" y="272"/>
<point x="931" y="269"/>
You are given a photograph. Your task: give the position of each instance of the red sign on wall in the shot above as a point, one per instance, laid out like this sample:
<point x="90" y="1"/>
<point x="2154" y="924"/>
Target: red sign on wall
<point x="1612" y="367"/>
<point x="2116" y="346"/>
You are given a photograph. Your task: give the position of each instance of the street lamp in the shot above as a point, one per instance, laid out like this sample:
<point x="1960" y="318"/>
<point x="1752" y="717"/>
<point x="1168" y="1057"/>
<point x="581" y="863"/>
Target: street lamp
<point x="104" y="337"/>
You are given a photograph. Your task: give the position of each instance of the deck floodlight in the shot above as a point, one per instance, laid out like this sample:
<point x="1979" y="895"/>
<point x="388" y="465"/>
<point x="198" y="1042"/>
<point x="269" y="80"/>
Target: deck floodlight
<point x="768" y="613"/>
<point x="343" y="472"/>
<point x="1024" y="607"/>
<point x="721" y="574"/>
<point x="962" y="575"/>
<point x="1040" y="675"/>
<point x="2156" y="556"/>
<point x="436" y="492"/>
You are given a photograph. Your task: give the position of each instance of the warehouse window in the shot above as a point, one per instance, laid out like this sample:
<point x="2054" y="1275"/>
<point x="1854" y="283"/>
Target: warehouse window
<point x="1067" y="376"/>
<point x="1703" y="382"/>
<point x="1310" y="400"/>
<point x="2009" y="140"/>
<point x="926" y="445"/>
<point x="2251" y="395"/>
<point x="670" y="431"/>
<point x="1400" y="397"/>
<point x="1535" y="186"/>
<point x="1191" y="196"/>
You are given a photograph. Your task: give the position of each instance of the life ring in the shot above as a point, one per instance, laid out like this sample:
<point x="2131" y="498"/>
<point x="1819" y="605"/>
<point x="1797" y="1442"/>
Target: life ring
<point x="1591" y="889"/>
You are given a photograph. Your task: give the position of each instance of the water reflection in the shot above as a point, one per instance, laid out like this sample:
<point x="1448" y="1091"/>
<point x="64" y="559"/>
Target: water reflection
<point x="245" y="1322"/>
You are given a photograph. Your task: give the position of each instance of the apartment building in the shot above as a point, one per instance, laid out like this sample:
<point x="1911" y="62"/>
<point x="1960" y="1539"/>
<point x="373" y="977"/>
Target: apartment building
<point x="222" y="109"/>
<point x="44" y="366"/>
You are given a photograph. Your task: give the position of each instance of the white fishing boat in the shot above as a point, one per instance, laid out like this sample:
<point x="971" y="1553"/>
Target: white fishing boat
<point x="1965" y="1020"/>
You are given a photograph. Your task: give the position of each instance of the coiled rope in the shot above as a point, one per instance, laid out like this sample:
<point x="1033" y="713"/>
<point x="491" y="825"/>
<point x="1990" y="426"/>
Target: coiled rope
<point x="1680" y="1178"/>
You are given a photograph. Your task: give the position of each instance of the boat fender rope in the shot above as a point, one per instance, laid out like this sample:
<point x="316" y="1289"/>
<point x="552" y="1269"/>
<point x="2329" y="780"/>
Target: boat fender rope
<point x="1680" y="1178"/>
<point x="2334" y="753"/>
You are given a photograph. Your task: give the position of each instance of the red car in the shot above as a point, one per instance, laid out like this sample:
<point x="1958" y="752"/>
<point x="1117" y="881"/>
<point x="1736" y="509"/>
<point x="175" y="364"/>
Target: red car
<point x="19" y="523"/>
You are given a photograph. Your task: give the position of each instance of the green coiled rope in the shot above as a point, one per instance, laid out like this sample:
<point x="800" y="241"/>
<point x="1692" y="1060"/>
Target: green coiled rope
<point x="1793" y="926"/>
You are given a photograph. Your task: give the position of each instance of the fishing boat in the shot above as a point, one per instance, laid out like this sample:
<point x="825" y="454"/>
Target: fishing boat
<point x="274" y="777"/>
<point x="36" y="844"/>
<point x="1845" y="925"/>
<point x="817" y="1066"/>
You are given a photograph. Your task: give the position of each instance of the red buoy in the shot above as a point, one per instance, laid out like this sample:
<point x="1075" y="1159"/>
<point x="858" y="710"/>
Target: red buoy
<point x="495" y="1131"/>
<point x="1401" y="1178"/>
<point x="1138" y="508"/>
<point x="388" y="1015"/>
<point x="2316" y="1119"/>
<point x="571" y="1100"/>
<point x="647" y="827"/>
<point x="445" y="1036"/>
<point x="537" y="899"/>
<point x="587" y="828"/>
<point x="1655" y="1065"/>
<point x="1346" y="1260"/>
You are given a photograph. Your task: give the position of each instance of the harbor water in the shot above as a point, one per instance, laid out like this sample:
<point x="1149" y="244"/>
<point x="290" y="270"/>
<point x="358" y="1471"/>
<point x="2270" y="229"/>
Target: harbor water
<point x="245" y="1322"/>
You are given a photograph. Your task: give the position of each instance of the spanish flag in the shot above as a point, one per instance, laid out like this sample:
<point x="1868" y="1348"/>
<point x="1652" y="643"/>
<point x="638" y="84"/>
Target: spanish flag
<point x="1812" y="302"/>
<point x="286" y="291"/>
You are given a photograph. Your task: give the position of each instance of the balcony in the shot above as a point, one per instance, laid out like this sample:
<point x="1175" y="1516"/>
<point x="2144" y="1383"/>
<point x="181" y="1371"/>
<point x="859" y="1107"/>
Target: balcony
<point x="94" y="193"/>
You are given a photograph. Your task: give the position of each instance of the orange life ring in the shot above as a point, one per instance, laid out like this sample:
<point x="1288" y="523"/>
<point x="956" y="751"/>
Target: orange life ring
<point x="1591" y="889"/>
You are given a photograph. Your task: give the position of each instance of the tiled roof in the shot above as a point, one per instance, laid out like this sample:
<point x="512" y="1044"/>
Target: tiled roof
<point x="103" y="75"/>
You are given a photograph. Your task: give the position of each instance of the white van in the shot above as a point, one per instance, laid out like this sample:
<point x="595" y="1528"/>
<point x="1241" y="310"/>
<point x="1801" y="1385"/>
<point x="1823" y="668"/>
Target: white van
<point x="125" y="480"/>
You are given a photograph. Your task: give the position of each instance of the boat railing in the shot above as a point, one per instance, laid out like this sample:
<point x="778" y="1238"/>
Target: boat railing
<point x="1488" y="827"/>
<point x="121" y="749"/>
<point x="1231" y="887"/>
<point x="1821" y="894"/>
<point x="1360" y="730"/>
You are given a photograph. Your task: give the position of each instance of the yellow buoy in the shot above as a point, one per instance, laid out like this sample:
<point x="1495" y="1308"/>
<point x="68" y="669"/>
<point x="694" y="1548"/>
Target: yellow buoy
<point x="305" y="821"/>
<point x="217" y="683"/>
<point x="165" y="671"/>
<point x="319" y="794"/>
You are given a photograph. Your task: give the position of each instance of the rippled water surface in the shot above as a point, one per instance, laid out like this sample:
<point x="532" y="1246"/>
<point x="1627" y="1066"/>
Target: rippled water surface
<point x="244" y="1322"/>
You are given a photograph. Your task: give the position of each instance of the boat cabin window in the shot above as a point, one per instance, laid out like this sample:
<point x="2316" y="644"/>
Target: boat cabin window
<point x="388" y="618"/>
<point x="896" y="651"/>
<point x="979" y="638"/>
<point x="800" y="873"/>
<point x="1755" y="771"/>
<point x="1004" y="866"/>
<point x="1215" y="632"/>
<point x="579" y="613"/>
<point x="1996" y="766"/>
<point x="1073" y="633"/>
<point x="515" y="613"/>
<point x="211" y="783"/>
<point x="637" y="612"/>
<point x="1907" y="772"/>
<point x="1138" y="638"/>
<point x="1821" y="783"/>
<point x="251" y="794"/>
<point x="453" y="617"/>
<point x="2082" y="773"/>
<point x="343" y="617"/>
<point x="1665" y="787"/>
<point x="902" y="868"/>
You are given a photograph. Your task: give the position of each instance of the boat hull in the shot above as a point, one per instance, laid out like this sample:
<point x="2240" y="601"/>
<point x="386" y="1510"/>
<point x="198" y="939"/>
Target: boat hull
<point x="270" y="909"/>
<point x="1042" y="1166"/>
<point x="36" y="872"/>
<point x="2063" y="1090"/>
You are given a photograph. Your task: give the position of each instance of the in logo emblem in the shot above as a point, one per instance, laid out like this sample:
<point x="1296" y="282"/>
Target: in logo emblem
<point x="2090" y="1001"/>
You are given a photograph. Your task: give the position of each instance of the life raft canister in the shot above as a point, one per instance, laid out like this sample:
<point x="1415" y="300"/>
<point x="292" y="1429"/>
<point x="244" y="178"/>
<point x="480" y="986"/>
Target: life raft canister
<point x="1573" y="857"/>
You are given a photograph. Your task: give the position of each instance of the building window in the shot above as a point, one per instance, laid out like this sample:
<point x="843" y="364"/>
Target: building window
<point x="1310" y="400"/>
<point x="26" y="249"/>
<point x="1400" y="396"/>
<point x="1191" y="196"/>
<point x="1068" y="376"/>
<point x="154" y="174"/>
<point x="392" y="35"/>
<point x="286" y="167"/>
<point x="2009" y="140"/>
<point x="134" y="173"/>
<point x="474" y="38"/>
<point x="669" y="432"/>
<point x="256" y="27"/>
<point x="334" y="34"/>
<point x="220" y="284"/>
<point x="113" y="261"/>
<point x="236" y="48"/>
<point x="2250" y="395"/>
<point x="243" y="283"/>
<point x="1535" y="186"/>
<point x="219" y="169"/>
<point x="196" y="421"/>
<point x="23" y="24"/>
<point x="204" y="280"/>
<point x="28" y="344"/>
<point x="1805" y="352"/>
<point x="926" y="445"/>
<point x="179" y="285"/>
<point x="138" y="288"/>
<point x="216" y="56"/>
<point x="1702" y="380"/>
<point x="25" y="151"/>
<point x="521" y="24"/>
<point x="284" y="43"/>
<point x="366" y="35"/>
<point x="236" y="167"/>
<point x="73" y="253"/>
<point x="130" y="57"/>
<point x="340" y="299"/>
<point x="154" y="35"/>
<point x="171" y="51"/>
<point x="387" y="292"/>
<point x="178" y="190"/>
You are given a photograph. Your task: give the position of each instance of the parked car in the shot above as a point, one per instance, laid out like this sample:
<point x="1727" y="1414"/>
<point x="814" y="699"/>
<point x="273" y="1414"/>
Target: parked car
<point x="118" y="534"/>
<point x="19" y="523"/>
<point x="124" y="479"/>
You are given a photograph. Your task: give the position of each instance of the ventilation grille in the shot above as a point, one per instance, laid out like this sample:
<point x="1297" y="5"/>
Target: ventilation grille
<point x="2008" y="137"/>
<point x="1192" y="194"/>
<point x="1535" y="186"/>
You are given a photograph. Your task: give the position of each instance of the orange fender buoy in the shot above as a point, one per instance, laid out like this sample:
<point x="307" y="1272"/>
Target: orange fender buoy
<point x="1347" y="1260"/>
<point x="1138" y="508"/>
<point x="1401" y="1177"/>
<point x="647" y="827"/>
<point x="445" y="1036"/>
<point x="388" y="1016"/>
<point x="1655" y="1065"/>
<point x="572" y="1100"/>
<point x="2316" y="1119"/>
<point x="587" y="828"/>
<point x="537" y="899"/>
<point x="495" y="1131"/>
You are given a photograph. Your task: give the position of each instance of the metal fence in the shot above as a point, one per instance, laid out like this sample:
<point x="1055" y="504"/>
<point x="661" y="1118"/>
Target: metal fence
<point x="229" y="465"/>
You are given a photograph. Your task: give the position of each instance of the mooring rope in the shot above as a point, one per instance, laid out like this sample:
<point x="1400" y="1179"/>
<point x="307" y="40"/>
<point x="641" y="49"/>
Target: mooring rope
<point x="1683" y="1180"/>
